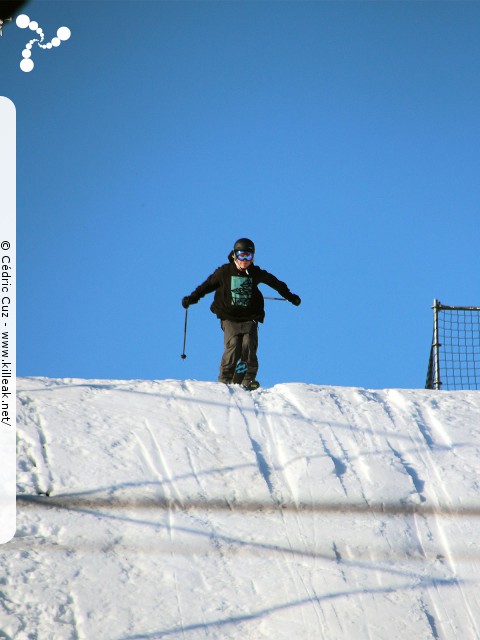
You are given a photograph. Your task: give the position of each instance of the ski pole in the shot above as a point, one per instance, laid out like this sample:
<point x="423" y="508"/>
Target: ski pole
<point x="270" y="298"/>
<point x="184" y="355"/>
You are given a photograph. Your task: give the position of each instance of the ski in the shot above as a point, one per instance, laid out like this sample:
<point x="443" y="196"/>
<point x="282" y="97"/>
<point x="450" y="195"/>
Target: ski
<point x="239" y="375"/>
<point x="240" y="371"/>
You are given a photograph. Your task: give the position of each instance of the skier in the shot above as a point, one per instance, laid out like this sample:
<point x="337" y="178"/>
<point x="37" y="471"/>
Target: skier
<point x="239" y="305"/>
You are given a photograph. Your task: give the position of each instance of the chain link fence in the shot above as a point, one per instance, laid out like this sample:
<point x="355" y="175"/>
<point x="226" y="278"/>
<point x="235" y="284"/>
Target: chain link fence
<point x="455" y="352"/>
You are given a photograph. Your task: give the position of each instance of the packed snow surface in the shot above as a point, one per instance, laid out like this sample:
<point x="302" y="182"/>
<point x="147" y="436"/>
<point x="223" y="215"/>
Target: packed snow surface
<point x="185" y="509"/>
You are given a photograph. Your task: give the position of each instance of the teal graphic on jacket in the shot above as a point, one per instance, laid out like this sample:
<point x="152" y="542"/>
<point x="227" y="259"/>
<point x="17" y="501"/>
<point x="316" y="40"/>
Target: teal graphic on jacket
<point x="241" y="290"/>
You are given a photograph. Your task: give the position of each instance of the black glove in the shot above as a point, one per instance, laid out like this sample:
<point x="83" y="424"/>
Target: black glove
<point x="186" y="302"/>
<point x="294" y="299"/>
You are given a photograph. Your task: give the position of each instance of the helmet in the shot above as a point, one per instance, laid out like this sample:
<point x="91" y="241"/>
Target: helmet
<point x="244" y="244"/>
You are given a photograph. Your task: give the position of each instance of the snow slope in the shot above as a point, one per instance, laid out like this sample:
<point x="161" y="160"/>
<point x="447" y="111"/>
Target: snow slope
<point x="171" y="509"/>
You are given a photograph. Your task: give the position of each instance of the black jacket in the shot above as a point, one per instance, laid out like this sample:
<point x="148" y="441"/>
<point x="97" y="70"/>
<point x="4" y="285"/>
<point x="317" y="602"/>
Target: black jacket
<point x="237" y="296"/>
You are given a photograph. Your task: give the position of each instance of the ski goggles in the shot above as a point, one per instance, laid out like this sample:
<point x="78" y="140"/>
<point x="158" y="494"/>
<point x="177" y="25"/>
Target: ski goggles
<point x="244" y="255"/>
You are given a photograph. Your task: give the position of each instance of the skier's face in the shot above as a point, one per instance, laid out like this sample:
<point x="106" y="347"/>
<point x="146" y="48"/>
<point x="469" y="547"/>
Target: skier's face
<point x="243" y="259"/>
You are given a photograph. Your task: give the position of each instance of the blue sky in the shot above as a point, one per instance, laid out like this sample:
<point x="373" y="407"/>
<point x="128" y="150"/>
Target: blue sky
<point x="342" y="137"/>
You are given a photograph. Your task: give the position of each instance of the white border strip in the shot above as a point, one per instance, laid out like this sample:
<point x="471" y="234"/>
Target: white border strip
<point x="7" y="318"/>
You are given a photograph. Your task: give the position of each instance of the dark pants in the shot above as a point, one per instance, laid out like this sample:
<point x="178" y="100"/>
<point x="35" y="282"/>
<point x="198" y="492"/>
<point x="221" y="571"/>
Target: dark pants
<point x="240" y="342"/>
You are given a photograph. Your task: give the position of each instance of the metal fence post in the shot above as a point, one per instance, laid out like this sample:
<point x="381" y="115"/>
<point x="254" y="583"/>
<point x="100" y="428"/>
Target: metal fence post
<point x="436" y="345"/>
<point x="433" y="374"/>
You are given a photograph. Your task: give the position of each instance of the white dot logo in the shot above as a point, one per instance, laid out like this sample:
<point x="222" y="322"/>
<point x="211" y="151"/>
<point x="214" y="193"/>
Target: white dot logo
<point x="24" y="22"/>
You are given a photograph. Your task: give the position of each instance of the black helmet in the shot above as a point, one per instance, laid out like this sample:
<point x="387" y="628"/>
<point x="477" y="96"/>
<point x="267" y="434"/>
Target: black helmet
<point x="244" y="244"/>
